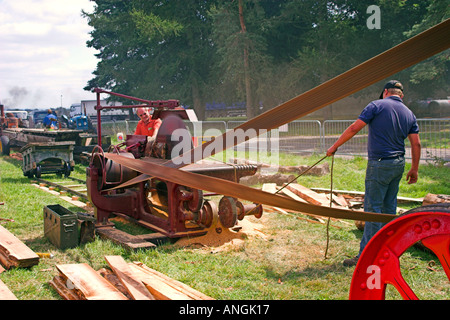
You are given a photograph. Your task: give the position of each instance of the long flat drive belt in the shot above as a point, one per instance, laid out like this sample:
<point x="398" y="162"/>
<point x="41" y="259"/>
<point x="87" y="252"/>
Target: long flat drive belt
<point x="237" y="190"/>
<point x="404" y="55"/>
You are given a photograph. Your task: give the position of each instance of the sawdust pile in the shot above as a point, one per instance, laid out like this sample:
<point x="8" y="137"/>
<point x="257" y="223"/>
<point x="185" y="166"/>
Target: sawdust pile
<point x="219" y="238"/>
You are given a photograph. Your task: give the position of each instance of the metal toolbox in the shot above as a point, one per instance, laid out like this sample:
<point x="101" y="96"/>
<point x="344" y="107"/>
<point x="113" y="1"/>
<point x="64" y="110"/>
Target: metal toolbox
<point x="61" y="226"/>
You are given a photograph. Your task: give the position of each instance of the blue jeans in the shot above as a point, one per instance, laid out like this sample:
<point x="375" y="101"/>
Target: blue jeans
<point x="382" y="184"/>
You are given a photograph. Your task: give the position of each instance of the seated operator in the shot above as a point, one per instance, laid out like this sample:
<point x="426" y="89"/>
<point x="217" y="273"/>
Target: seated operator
<point x="147" y="127"/>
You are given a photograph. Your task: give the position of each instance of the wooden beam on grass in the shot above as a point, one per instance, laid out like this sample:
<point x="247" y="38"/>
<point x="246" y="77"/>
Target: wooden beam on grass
<point x="132" y="284"/>
<point x="87" y="283"/>
<point x="14" y="253"/>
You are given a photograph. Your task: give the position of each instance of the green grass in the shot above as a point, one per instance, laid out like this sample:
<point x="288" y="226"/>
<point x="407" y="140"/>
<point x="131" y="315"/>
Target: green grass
<point x="286" y="262"/>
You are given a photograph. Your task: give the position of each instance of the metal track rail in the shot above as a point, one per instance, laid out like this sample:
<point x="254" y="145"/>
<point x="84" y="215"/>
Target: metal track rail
<point x="68" y="188"/>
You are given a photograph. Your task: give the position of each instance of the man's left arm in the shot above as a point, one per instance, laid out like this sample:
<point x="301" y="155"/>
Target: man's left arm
<point x="416" y="147"/>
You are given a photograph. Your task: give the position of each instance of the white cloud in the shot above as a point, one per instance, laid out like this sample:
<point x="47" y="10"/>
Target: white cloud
<point x="43" y="51"/>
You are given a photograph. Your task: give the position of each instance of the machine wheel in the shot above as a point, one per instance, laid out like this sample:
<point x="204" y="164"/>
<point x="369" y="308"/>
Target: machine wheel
<point x="67" y="170"/>
<point x="28" y="174"/>
<point x="379" y="264"/>
<point x="5" y="147"/>
<point x="208" y="216"/>
<point x="38" y="172"/>
<point x="228" y="212"/>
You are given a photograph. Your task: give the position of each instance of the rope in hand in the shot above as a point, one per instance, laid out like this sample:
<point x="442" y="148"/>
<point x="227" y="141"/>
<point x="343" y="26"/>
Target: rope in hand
<point x="286" y="184"/>
<point x="331" y="203"/>
<point x="331" y="194"/>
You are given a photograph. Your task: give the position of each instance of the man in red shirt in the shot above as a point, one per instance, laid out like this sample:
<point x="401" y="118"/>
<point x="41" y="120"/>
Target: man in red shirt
<point x="147" y="127"/>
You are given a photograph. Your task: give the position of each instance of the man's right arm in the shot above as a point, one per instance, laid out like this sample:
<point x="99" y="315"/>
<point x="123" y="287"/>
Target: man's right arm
<point x="353" y="129"/>
<point x="416" y="147"/>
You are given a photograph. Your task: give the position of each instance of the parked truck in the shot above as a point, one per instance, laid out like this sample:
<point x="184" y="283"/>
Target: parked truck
<point x="87" y="108"/>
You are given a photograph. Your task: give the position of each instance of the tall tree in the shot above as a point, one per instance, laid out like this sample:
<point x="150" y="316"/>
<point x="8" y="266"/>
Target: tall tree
<point x="153" y="49"/>
<point x="262" y="52"/>
<point x="241" y="49"/>
<point x="432" y="77"/>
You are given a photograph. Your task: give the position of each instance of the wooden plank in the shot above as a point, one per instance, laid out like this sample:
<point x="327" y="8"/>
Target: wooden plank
<point x="294" y="196"/>
<point x="308" y="194"/>
<point x="124" y="239"/>
<point x="194" y="294"/>
<point x="361" y="193"/>
<point x="289" y="193"/>
<point x="269" y="187"/>
<point x="272" y="188"/>
<point x="59" y="285"/>
<point x="431" y="198"/>
<point x="14" y="253"/>
<point x="127" y="277"/>
<point x="5" y="293"/>
<point x="114" y="280"/>
<point x="88" y="284"/>
<point x="159" y="289"/>
<point x="339" y="199"/>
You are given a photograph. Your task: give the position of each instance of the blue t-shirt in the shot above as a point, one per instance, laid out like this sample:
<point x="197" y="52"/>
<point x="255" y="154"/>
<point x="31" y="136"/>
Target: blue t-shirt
<point x="390" y="122"/>
<point x="49" y="118"/>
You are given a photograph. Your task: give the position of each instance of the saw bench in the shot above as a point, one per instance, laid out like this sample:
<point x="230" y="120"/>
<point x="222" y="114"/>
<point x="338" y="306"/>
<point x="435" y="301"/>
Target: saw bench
<point x="170" y="209"/>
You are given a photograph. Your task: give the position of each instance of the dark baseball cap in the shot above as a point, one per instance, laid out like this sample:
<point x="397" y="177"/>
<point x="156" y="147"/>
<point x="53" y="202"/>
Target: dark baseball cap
<point x="391" y="84"/>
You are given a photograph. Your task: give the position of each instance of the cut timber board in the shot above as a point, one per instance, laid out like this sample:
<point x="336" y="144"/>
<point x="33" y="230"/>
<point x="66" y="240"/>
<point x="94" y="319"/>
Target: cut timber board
<point x="88" y="284"/>
<point x="60" y="286"/>
<point x="289" y="193"/>
<point x="123" y="271"/>
<point x="272" y="188"/>
<point x="124" y="239"/>
<point x="159" y="289"/>
<point x="361" y="193"/>
<point x="187" y="290"/>
<point x="14" y="253"/>
<point x="308" y="194"/>
<point x="5" y="293"/>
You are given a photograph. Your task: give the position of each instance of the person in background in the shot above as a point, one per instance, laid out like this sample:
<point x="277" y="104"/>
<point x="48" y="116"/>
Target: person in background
<point x="50" y="120"/>
<point x="390" y="123"/>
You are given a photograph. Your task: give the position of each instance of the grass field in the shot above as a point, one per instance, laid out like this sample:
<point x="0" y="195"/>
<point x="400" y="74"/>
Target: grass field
<point x="284" y="260"/>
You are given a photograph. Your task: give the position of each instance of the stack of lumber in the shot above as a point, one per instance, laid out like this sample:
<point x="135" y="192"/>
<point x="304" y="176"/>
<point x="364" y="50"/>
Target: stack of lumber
<point x="14" y="253"/>
<point x="125" y="281"/>
<point x="163" y="287"/>
<point x="81" y="282"/>
<point x="303" y="194"/>
<point x="431" y="198"/>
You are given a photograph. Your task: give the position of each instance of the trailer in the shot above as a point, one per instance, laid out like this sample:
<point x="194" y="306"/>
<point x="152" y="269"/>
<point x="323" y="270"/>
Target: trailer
<point x="47" y="157"/>
<point x="87" y="108"/>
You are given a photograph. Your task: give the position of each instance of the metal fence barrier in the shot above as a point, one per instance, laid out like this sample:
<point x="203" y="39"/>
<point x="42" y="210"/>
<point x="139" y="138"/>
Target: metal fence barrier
<point x="305" y="137"/>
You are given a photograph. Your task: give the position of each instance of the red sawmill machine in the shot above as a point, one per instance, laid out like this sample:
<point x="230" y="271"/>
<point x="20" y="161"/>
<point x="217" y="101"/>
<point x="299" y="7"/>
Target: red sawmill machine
<point x="166" y="195"/>
<point x="166" y="207"/>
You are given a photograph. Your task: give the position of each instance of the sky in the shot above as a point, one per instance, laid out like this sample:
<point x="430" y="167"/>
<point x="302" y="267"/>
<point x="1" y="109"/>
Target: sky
<point x="44" y="59"/>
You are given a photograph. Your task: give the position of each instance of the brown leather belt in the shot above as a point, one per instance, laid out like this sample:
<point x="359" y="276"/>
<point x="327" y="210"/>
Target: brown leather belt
<point x="404" y="55"/>
<point x="232" y="189"/>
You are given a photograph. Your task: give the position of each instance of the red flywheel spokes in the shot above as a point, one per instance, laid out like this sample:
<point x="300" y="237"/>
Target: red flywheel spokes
<point x="379" y="264"/>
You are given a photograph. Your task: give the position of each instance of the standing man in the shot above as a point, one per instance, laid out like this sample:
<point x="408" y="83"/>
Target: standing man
<point x="147" y="127"/>
<point x="390" y="123"/>
<point x="50" y="120"/>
